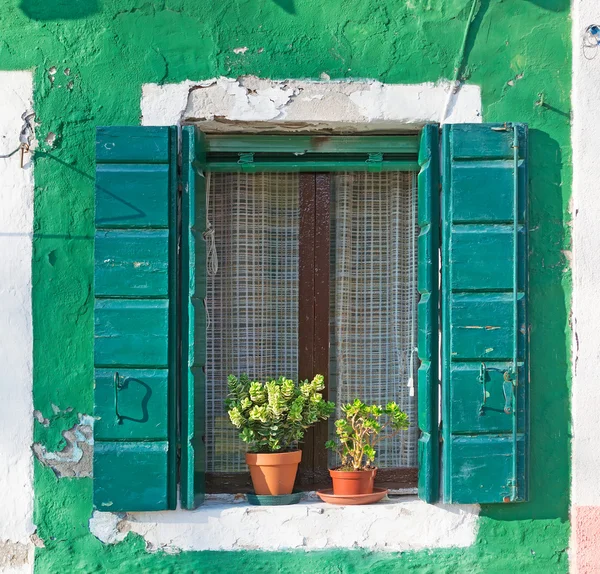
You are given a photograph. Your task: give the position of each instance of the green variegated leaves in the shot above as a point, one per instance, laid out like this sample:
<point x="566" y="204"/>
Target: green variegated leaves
<point x="257" y="393"/>
<point x="236" y="417"/>
<point x="274" y="415"/>
<point x="361" y="430"/>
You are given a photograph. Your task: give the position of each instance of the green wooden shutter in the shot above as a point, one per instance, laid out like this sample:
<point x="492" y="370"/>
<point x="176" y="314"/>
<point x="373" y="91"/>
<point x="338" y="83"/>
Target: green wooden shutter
<point x="428" y="277"/>
<point x="484" y="319"/>
<point x="135" y="319"/>
<point x="193" y="283"/>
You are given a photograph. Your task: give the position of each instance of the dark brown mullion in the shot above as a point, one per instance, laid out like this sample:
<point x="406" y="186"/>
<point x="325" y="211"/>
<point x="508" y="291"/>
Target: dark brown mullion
<point x="395" y="478"/>
<point x="306" y="308"/>
<point x="321" y="304"/>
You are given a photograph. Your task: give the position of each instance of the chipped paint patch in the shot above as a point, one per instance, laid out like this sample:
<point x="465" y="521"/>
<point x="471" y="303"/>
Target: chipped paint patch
<point x="75" y="459"/>
<point x="15" y="557"/>
<point x="40" y="418"/>
<point x="109" y="527"/>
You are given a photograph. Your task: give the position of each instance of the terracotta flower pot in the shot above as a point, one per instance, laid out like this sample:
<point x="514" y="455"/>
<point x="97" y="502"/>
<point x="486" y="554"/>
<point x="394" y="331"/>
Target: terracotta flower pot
<point x="351" y="482"/>
<point x="273" y="473"/>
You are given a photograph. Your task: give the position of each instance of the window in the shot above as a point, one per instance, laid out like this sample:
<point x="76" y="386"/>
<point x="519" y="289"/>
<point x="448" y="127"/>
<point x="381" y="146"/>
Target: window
<point x="316" y="273"/>
<point x="329" y="251"/>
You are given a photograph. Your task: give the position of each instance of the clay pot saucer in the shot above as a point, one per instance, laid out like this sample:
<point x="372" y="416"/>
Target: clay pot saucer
<point x="326" y="495"/>
<point x="267" y="500"/>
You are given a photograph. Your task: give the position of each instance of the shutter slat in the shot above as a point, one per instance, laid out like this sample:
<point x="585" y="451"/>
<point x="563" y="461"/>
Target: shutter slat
<point x="484" y="313"/>
<point x="135" y="434"/>
<point x="478" y="257"/>
<point x="482" y="326"/>
<point x="132" y="332"/>
<point x="132" y="195"/>
<point x="131" y="476"/>
<point x="143" y="417"/>
<point x="132" y="263"/>
<point x="466" y="404"/>
<point x="132" y="144"/>
<point x="470" y="178"/>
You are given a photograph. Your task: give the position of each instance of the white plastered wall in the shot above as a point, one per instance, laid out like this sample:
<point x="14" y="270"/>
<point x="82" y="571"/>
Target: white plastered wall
<point x="16" y="338"/>
<point x="586" y="251"/>
<point x="585" y="490"/>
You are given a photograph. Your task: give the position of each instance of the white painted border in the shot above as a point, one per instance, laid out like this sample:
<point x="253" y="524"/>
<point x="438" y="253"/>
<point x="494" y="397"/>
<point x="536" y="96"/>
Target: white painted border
<point x="584" y="553"/>
<point x="392" y="526"/>
<point x="586" y="259"/>
<point x="16" y="331"/>
<point x="257" y="104"/>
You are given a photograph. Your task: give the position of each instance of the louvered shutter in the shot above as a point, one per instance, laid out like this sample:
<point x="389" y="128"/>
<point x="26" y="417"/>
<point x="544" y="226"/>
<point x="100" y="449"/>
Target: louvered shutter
<point x="484" y="318"/>
<point x="134" y="319"/>
<point x="428" y="280"/>
<point x="193" y="284"/>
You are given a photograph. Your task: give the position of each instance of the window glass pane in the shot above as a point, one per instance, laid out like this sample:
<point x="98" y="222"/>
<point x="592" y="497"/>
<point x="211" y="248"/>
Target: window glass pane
<point x="374" y="299"/>
<point x="252" y="301"/>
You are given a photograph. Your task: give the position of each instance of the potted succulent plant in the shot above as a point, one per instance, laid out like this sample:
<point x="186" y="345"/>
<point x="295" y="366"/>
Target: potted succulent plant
<point x="361" y="429"/>
<point x="272" y="417"/>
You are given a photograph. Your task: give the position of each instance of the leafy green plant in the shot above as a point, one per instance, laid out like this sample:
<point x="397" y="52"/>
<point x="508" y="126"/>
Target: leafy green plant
<point x="273" y="416"/>
<point x="361" y="430"/>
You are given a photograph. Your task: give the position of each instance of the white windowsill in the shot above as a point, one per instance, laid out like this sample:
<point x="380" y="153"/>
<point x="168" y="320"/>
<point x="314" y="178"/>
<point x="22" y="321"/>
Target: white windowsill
<point x="225" y="522"/>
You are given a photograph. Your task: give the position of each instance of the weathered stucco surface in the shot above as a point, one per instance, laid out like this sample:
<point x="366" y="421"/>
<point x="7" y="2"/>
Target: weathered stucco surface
<point x="16" y="331"/>
<point x="90" y="59"/>
<point x="397" y="525"/>
<point x="585" y="515"/>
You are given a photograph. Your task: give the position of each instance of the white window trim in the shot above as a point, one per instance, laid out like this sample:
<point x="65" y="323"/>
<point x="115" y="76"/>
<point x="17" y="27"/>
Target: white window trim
<point x="396" y="525"/>
<point x="251" y="105"/>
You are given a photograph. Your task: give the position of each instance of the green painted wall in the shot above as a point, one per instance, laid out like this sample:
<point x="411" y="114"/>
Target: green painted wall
<point x="516" y="50"/>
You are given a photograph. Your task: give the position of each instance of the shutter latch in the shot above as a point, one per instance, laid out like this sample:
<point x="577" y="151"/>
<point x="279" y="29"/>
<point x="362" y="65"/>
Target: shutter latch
<point x="246" y="161"/>
<point x="482" y="378"/>
<point x="246" y="157"/>
<point x="118" y="386"/>
<point x="507" y="388"/>
<point x="375" y="162"/>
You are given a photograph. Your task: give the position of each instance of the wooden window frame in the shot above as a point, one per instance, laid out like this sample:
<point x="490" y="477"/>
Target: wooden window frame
<point x="315" y="158"/>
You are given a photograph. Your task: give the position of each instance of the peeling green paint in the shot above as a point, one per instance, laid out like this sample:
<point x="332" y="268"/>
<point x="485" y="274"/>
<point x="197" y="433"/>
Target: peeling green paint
<point x="104" y="50"/>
